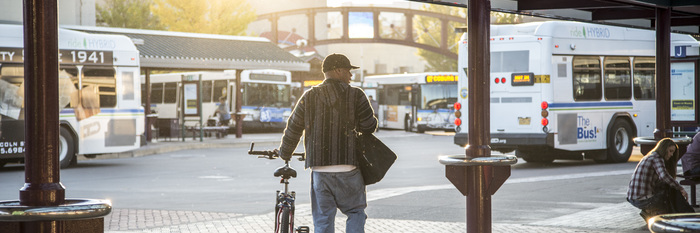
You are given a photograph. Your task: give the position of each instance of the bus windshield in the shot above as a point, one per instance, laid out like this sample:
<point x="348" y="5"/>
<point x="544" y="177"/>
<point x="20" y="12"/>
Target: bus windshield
<point x="436" y="96"/>
<point x="265" y="94"/>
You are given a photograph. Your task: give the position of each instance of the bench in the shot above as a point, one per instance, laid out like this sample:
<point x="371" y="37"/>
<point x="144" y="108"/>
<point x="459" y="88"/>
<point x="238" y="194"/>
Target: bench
<point x="690" y="181"/>
<point x="219" y="131"/>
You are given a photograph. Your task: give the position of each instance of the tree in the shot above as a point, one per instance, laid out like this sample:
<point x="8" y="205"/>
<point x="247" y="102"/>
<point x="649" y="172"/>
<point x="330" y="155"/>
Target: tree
<point x="127" y="14"/>
<point x="225" y="17"/>
<point x="505" y="18"/>
<point x="427" y="29"/>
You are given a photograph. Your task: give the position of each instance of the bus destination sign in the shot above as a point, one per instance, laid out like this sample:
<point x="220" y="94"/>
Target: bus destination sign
<point x="522" y="79"/>
<point x="441" y="78"/>
<point x="65" y="56"/>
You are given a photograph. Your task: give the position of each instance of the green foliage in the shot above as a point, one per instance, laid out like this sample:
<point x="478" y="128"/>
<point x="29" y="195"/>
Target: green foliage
<point x="225" y="17"/>
<point x="427" y="31"/>
<point x="127" y="14"/>
<point x="505" y="18"/>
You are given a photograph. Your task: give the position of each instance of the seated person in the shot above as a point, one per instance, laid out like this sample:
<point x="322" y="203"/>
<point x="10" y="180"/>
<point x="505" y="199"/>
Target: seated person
<point x="653" y="189"/>
<point x="691" y="158"/>
<point x="222" y="110"/>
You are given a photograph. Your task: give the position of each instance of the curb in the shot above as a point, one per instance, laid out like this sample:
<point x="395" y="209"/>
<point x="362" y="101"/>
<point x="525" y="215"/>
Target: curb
<point x="160" y="147"/>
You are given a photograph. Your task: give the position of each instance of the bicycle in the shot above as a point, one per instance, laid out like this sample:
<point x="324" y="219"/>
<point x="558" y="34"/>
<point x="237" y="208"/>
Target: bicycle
<point x="284" y="204"/>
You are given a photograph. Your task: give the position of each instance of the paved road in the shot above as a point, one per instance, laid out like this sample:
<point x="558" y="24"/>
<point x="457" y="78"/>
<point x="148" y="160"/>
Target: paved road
<point x="178" y="188"/>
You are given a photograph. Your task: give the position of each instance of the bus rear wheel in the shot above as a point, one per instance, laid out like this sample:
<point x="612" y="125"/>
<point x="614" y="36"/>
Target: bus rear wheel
<point x="66" y="148"/>
<point x="619" y="142"/>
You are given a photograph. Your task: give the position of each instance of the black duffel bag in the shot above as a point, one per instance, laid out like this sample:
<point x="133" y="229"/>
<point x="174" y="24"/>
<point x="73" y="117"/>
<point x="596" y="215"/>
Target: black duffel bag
<point x="374" y="157"/>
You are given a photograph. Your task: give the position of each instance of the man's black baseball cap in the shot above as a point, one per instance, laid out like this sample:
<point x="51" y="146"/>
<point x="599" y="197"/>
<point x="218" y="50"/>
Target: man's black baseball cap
<point x="335" y="61"/>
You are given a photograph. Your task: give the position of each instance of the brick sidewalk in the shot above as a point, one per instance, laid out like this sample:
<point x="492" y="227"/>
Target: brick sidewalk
<point x="620" y="217"/>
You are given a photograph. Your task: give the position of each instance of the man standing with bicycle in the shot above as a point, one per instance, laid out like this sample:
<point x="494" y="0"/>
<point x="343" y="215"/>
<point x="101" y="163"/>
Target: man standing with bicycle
<point x="329" y="115"/>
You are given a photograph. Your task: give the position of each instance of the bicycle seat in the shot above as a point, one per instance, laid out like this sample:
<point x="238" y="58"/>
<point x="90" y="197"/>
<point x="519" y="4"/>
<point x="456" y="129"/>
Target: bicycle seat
<point x="285" y="172"/>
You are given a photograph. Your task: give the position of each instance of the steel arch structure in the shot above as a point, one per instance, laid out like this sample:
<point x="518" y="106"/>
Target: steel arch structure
<point x="408" y="38"/>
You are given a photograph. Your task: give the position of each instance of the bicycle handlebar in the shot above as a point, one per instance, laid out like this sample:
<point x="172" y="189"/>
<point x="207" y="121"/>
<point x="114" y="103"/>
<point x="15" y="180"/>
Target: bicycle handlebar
<point x="272" y="154"/>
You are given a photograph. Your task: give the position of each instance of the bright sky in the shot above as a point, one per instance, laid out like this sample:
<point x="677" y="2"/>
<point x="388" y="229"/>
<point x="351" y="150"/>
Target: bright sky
<point x="360" y="25"/>
<point x="338" y="3"/>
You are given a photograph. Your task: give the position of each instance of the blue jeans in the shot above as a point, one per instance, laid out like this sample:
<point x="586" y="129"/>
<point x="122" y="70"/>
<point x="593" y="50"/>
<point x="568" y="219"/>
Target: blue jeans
<point x="655" y="202"/>
<point x="331" y="191"/>
<point x="693" y="172"/>
<point x="665" y="200"/>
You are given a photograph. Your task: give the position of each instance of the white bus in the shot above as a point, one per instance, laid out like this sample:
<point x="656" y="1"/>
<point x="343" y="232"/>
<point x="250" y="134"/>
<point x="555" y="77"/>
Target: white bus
<point x="266" y="96"/>
<point x="568" y="90"/>
<point x="100" y="106"/>
<point x="417" y="101"/>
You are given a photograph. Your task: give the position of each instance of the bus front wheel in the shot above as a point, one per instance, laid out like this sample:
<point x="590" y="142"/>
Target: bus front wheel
<point x="619" y="142"/>
<point x="66" y="148"/>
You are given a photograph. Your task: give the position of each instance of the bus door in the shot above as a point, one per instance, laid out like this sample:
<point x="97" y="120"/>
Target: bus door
<point x="395" y="106"/>
<point x="415" y="104"/>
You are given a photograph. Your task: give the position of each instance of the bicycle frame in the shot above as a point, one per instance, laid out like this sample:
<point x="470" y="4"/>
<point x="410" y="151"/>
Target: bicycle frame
<point x="284" y="202"/>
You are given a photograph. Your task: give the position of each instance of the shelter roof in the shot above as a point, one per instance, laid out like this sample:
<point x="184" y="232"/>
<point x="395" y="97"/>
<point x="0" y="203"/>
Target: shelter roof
<point x="180" y="50"/>
<point x="685" y="14"/>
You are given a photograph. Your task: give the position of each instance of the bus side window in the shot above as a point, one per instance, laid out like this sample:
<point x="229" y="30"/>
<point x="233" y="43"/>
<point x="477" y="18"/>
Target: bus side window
<point x="219" y="89"/>
<point x="405" y="97"/>
<point x="106" y="82"/>
<point x="157" y="93"/>
<point x="170" y="93"/>
<point x="12" y="73"/>
<point x="143" y="93"/>
<point x="11" y="79"/>
<point x="67" y="87"/>
<point x="380" y="97"/>
<point x="586" y="80"/>
<point x="206" y="92"/>
<point x="617" y="78"/>
<point x="392" y="95"/>
<point x="644" y="83"/>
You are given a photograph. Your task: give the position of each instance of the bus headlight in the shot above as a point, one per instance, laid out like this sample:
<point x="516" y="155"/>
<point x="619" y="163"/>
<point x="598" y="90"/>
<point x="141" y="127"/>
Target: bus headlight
<point x="420" y="119"/>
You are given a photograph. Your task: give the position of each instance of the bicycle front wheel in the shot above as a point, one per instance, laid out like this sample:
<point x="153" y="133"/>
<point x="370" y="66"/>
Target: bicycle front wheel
<point x="283" y="218"/>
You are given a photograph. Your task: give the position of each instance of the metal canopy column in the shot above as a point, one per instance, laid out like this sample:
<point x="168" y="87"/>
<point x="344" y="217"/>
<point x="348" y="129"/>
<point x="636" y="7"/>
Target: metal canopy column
<point x="478" y="200"/>
<point x="239" y="103"/>
<point x="42" y="185"/>
<point x="477" y="174"/>
<point x="663" y="72"/>
<point x="147" y="106"/>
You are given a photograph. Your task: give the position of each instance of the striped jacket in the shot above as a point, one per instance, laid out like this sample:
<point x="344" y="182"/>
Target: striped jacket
<point x="327" y="116"/>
